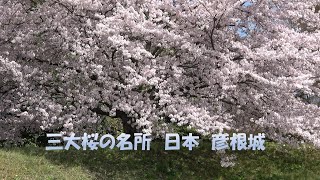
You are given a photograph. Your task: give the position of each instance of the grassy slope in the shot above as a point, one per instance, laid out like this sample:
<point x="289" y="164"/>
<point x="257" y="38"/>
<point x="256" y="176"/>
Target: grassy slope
<point x="277" y="162"/>
<point x="15" y="164"/>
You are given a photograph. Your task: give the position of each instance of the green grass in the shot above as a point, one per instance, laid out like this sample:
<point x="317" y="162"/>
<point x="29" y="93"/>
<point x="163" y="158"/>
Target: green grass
<point x="277" y="162"/>
<point x="32" y="163"/>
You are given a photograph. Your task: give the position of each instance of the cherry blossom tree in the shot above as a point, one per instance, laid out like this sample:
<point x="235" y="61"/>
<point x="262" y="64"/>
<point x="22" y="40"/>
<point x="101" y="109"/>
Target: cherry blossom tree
<point x="156" y="64"/>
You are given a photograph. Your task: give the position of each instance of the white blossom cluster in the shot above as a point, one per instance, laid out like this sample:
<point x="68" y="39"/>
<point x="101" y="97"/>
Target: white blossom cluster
<point x="208" y="65"/>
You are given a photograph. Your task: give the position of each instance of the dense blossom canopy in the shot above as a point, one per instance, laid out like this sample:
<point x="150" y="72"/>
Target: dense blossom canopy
<point x="210" y="65"/>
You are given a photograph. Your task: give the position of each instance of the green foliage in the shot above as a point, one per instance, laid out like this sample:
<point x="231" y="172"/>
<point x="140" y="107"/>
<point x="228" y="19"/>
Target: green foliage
<point x="110" y="125"/>
<point x="184" y="130"/>
<point x="35" y="3"/>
